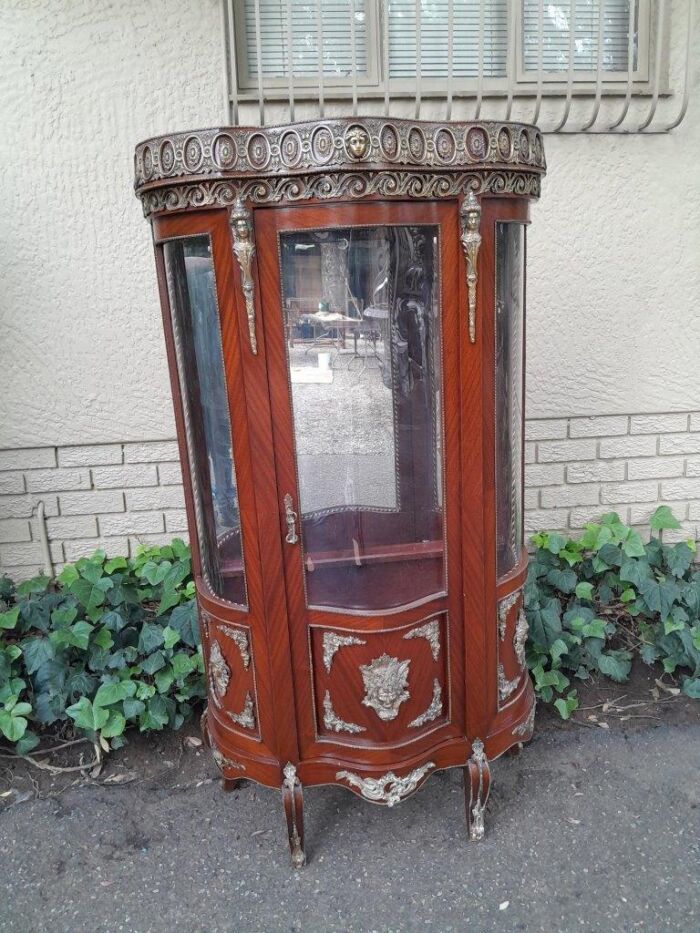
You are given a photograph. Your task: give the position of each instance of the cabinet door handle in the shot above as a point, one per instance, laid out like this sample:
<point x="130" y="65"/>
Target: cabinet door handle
<point x="291" y="518"/>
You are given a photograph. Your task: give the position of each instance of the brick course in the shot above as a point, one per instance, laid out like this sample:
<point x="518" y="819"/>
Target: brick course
<point x="115" y="496"/>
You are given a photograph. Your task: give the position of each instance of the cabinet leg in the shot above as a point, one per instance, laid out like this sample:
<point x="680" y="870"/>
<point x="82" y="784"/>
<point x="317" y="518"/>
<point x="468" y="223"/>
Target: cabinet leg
<point x="477" y="784"/>
<point x="294" y="812"/>
<point x="204" y="729"/>
<point x="229" y="784"/>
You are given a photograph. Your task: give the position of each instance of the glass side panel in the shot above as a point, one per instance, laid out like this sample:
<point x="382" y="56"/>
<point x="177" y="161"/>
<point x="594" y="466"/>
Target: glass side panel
<point x="195" y="316"/>
<point x="510" y="312"/>
<point x="362" y="316"/>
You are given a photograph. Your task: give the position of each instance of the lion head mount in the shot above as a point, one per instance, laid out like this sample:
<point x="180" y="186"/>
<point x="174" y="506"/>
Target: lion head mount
<point x="386" y="682"/>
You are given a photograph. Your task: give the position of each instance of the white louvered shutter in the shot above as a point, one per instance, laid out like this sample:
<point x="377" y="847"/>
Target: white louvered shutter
<point x="336" y="32"/>
<point x="556" y="35"/>
<point x="435" y="38"/>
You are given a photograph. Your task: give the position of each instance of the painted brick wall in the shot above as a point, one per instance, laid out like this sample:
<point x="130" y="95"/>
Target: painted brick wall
<point x="114" y="496"/>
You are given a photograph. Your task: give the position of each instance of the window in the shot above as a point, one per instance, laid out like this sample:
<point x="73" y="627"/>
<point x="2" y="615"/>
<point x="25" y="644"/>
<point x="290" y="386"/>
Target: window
<point x="488" y="41"/>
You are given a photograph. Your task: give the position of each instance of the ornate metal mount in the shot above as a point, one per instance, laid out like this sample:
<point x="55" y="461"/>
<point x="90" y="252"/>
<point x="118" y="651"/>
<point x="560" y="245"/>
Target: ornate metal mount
<point x="244" y="248"/>
<point x="525" y="728"/>
<point x="477" y="783"/>
<point x="433" y="711"/>
<point x="505" y="686"/>
<point x="504" y="607"/>
<point x="290" y="516"/>
<point x="240" y="639"/>
<point x="386" y="680"/>
<point x="294" y="812"/>
<point x="431" y="632"/>
<point x="470" y="218"/>
<point x="219" y="673"/>
<point x="333" y="723"/>
<point x="332" y="642"/>
<point x="520" y="637"/>
<point x="224" y="763"/>
<point x="389" y="789"/>
<point x="246" y="717"/>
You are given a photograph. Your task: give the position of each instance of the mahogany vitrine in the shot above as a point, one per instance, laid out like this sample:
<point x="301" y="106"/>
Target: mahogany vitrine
<point x="344" y="307"/>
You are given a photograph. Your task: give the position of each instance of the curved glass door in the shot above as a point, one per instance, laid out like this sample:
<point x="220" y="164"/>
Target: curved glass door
<point x="194" y="310"/>
<point x="362" y="320"/>
<point x="510" y="316"/>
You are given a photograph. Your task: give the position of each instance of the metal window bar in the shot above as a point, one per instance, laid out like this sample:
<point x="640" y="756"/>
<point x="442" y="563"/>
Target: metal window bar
<point x="587" y="101"/>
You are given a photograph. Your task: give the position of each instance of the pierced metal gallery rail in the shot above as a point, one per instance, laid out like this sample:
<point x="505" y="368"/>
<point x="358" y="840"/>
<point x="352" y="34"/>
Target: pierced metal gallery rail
<point x="648" y="92"/>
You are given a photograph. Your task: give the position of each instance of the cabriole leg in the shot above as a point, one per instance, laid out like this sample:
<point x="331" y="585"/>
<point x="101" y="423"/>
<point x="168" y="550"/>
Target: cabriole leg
<point x="294" y="812"/>
<point x="477" y="783"/>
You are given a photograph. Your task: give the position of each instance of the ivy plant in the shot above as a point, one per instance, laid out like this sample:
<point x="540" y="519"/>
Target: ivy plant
<point x="594" y="601"/>
<point x="111" y="643"/>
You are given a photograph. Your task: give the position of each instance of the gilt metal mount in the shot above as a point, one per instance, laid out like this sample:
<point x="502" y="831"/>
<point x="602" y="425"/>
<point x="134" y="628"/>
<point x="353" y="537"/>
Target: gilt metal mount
<point x="470" y="218"/>
<point x="244" y="248"/>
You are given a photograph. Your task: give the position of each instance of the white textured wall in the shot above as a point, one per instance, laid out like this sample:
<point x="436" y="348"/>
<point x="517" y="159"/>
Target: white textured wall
<point x="82" y="81"/>
<point x="614" y="273"/>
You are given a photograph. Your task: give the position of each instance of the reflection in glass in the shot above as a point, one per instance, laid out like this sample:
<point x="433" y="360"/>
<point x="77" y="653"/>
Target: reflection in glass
<point x="195" y="317"/>
<point x="510" y="308"/>
<point x="361" y="309"/>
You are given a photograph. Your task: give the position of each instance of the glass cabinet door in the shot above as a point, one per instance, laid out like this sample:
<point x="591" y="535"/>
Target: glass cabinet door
<point x="361" y="310"/>
<point x="194" y="310"/>
<point x="510" y="311"/>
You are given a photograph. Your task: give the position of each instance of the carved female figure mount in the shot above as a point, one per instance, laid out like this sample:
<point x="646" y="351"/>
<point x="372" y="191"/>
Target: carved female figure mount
<point x="244" y="248"/>
<point x="470" y="218"/>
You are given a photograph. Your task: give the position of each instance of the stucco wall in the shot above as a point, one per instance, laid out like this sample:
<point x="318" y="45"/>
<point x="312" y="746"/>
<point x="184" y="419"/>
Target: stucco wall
<point x="613" y="251"/>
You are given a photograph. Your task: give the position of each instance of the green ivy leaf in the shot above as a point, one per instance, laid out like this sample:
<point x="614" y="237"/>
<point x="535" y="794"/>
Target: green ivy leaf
<point x="154" y="662"/>
<point x="116" y="563"/>
<point x="566" y="705"/>
<point x="115" y="725"/>
<point x="663" y="518"/>
<point x="628" y="595"/>
<point x="584" y="590"/>
<point x="679" y="558"/>
<point x="633" y="546"/>
<point x="12" y="724"/>
<point x="184" y="620"/>
<point x="616" y="665"/>
<point x="103" y="639"/>
<point x="133" y="708"/>
<point x="691" y="687"/>
<point x="36" y="651"/>
<point x="114" y="693"/>
<point x="164" y="679"/>
<point x="563" y="580"/>
<point x="182" y="663"/>
<point x="170" y="637"/>
<point x="8" y="620"/>
<point x="150" y="637"/>
<point x="86" y="716"/>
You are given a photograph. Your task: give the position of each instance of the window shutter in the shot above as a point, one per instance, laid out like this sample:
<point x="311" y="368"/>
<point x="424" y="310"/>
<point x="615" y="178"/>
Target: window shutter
<point x="434" y="38"/>
<point x="556" y="33"/>
<point x="336" y="32"/>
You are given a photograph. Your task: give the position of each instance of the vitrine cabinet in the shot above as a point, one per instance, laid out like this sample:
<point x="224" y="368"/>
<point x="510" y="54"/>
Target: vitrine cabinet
<point x="344" y="309"/>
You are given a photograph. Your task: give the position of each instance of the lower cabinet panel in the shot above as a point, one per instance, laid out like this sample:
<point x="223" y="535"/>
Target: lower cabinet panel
<point x="384" y="687"/>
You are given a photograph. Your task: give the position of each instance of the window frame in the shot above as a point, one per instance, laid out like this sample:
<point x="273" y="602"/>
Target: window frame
<point x="372" y="85"/>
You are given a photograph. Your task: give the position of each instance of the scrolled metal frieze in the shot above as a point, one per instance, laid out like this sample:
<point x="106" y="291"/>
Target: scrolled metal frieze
<point x="353" y="185"/>
<point x="244" y="249"/>
<point x="389" y="789"/>
<point x="341" y="143"/>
